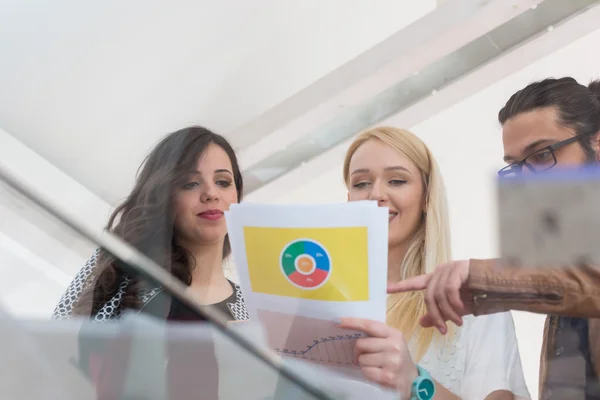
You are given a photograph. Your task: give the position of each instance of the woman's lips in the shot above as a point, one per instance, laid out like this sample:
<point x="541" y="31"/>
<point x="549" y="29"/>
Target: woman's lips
<point x="211" y="215"/>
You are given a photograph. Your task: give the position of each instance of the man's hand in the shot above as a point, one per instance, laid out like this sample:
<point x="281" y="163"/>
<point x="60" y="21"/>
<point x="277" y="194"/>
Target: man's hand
<point x="444" y="293"/>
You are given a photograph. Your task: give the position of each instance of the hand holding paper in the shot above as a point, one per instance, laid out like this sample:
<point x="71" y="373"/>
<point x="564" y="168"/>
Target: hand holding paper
<point x="301" y="267"/>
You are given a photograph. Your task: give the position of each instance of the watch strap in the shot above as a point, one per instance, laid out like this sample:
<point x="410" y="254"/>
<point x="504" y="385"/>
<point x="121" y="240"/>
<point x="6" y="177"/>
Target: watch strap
<point x="423" y="387"/>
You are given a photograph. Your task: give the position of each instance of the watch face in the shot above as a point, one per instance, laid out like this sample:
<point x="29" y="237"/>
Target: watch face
<point x="425" y="389"/>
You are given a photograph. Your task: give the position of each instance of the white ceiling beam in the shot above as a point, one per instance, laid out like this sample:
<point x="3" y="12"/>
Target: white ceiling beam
<point x="443" y="31"/>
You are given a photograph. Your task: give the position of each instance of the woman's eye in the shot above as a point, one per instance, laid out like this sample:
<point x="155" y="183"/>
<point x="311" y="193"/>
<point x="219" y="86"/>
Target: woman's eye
<point x="191" y="185"/>
<point x="360" y="185"/>
<point x="397" y="182"/>
<point x="224" y="184"/>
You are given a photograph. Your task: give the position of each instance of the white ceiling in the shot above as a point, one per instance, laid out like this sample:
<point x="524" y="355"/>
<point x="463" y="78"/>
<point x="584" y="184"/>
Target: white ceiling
<point x="92" y="86"/>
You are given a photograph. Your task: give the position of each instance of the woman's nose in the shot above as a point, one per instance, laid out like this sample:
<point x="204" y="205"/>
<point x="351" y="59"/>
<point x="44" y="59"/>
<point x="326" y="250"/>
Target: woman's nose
<point x="376" y="192"/>
<point x="209" y="193"/>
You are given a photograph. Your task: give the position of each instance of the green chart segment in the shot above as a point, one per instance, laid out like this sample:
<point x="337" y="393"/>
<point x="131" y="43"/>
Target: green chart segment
<point x="306" y="264"/>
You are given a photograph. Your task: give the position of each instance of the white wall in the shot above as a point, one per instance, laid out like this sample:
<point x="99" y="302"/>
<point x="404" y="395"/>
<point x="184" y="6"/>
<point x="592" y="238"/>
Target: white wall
<point x="38" y="254"/>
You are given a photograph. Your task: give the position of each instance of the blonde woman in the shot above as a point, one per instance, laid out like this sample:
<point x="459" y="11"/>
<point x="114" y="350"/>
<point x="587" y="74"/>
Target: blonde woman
<point x="480" y="360"/>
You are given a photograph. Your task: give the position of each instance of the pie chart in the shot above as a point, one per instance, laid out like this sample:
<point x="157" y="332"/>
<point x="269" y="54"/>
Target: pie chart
<point x="305" y="263"/>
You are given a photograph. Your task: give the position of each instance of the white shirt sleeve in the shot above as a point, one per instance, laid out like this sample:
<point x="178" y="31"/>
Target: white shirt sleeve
<point x="493" y="361"/>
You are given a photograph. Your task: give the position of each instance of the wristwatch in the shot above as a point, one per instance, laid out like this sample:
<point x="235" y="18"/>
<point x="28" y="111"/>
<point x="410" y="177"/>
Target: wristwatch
<point x="423" y="387"/>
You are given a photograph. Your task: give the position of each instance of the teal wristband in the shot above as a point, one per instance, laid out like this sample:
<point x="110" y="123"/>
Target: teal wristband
<point x="423" y="387"/>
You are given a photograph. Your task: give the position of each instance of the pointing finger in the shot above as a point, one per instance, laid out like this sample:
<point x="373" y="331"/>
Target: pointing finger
<point x="410" y="284"/>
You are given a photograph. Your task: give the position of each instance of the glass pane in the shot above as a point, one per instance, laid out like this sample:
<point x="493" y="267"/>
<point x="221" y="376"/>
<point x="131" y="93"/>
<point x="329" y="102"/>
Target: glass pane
<point x="135" y="356"/>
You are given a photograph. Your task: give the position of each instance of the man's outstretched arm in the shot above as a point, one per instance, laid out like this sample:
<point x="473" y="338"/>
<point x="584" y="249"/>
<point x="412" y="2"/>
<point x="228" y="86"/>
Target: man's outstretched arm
<point x="486" y="286"/>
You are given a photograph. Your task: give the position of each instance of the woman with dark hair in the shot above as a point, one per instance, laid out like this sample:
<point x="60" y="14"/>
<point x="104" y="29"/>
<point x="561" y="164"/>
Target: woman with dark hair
<point x="175" y="216"/>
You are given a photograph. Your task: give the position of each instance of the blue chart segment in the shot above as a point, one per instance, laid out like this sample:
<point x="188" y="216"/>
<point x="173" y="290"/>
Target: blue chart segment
<point x="305" y="263"/>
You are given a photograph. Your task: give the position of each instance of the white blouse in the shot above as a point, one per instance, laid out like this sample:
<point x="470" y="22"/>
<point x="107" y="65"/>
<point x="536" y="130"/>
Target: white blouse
<point x="480" y="358"/>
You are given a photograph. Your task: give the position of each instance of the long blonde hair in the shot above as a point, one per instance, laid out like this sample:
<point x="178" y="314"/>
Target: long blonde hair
<point x="430" y="244"/>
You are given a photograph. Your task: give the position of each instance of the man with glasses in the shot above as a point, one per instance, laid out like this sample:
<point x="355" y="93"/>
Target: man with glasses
<point x="540" y="160"/>
<point x="554" y="122"/>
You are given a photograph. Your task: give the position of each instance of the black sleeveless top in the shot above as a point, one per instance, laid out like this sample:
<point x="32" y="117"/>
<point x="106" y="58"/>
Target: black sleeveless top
<point x="164" y="306"/>
<point x="181" y="312"/>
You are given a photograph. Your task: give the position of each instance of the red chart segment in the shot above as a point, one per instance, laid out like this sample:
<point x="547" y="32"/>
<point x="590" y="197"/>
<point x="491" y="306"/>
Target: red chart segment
<point x="317" y="277"/>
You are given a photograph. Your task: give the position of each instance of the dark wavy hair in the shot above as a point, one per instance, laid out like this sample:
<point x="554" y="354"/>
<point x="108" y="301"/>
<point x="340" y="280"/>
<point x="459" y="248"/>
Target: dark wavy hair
<point x="146" y="217"/>
<point x="578" y="106"/>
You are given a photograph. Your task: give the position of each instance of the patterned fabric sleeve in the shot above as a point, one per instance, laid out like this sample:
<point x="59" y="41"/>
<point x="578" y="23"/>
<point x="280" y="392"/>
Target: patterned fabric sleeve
<point x="238" y="309"/>
<point x="65" y="306"/>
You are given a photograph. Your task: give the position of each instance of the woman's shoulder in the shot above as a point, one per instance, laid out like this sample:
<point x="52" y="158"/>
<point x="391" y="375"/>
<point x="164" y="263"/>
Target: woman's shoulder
<point x="446" y="358"/>
<point x="489" y="326"/>
<point x="237" y="291"/>
<point x="238" y="306"/>
<point x="452" y="350"/>
<point x="78" y="284"/>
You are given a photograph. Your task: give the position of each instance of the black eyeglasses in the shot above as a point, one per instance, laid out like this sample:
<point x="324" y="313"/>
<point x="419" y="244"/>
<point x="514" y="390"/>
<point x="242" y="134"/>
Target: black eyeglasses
<point x="539" y="161"/>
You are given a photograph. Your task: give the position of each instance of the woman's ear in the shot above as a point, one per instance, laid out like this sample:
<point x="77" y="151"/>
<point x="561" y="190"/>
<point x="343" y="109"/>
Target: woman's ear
<point x="347" y="196"/>
<point x="595" y="142"/>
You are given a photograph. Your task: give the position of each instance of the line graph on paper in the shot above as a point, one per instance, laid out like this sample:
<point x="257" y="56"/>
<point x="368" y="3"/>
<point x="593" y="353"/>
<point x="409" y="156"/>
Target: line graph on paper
<point x="332" y="349"/>
<point x="311" y="339"/>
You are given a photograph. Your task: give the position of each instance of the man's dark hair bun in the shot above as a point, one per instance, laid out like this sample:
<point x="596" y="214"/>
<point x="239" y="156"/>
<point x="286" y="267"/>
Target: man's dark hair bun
<point x="595" y="88"/>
